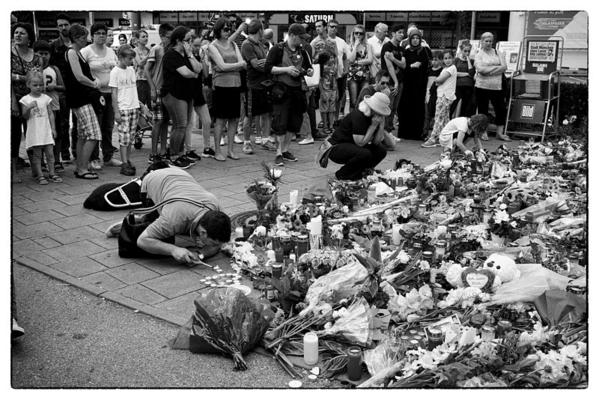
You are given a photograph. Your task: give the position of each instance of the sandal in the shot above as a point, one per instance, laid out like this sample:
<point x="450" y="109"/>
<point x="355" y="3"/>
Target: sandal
<point x="41" y="180"/>
<point x="86" y="175"/>
<point x="55" y="178"/>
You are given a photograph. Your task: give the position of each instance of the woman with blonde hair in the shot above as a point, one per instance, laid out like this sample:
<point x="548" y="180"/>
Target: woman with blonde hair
<point x="490" y="65"/>
<point x="360" y="59"/>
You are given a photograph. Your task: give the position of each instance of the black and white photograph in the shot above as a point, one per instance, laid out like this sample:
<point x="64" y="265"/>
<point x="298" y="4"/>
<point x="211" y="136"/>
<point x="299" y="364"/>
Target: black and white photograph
<point x="340" y="197"/>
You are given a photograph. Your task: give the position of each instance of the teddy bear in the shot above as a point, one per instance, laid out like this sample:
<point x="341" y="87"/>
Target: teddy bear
<point x="504" y="268"/>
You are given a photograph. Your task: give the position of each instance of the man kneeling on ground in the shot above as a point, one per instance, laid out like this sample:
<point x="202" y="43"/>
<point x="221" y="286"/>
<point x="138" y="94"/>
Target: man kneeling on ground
<point x="208" y="226"/>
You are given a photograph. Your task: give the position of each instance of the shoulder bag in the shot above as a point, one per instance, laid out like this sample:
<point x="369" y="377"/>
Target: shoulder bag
<point x="136" y="221"/>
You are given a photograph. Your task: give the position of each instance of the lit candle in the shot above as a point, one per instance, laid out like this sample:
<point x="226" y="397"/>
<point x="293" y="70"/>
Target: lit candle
<point x="310" y="348"/>
<point x="239" y="232"/>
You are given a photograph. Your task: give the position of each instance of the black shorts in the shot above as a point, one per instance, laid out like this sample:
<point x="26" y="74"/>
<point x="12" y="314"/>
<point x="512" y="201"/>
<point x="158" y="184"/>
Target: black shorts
<point x="258" y="101"/>
<point x="288" y="115"/>
<point x="226" y="103"/>
<point x="198" y="93"/>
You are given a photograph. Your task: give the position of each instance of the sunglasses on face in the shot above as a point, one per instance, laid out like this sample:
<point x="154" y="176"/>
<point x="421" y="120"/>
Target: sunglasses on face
<point x="384" y="83"/>
<point x="333" y="26"/>
<point x="359" y="33"/>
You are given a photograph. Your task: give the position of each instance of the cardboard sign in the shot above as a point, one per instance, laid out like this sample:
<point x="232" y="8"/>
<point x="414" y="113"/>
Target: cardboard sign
<point x="511" y="51"/>
<point x="528" y="111"/>
<point x="541" y="56"/>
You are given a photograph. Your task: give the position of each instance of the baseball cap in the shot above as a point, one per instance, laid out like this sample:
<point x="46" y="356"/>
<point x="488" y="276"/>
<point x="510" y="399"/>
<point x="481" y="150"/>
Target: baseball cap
<point x="298" y="30"/>
<point x="254" y="26"/>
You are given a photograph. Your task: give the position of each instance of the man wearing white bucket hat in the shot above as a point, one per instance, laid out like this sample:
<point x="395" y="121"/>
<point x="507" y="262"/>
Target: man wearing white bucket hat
<point x="360" y="140"/>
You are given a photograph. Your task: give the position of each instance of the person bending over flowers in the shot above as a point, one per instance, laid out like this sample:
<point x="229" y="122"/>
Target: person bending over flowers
<point x="460" y="129"/>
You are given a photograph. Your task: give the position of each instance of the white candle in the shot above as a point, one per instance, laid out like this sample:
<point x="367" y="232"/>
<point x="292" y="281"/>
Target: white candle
<point x="270" y="254"/>
<point x="395" y="235"/>
<point x="293" y="195"/>
<point x="310" y="348"/>
<point x="239" y="232"/>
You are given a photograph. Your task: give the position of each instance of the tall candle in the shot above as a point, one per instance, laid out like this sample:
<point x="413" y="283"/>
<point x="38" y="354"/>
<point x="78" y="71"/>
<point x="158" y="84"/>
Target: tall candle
<point x="310" y="348"/>
<point x="395" y="235"/>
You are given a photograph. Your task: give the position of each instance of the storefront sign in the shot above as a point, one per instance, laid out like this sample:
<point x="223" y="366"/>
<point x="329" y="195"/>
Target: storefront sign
<point x="573" y="26"/>
<point x="541" y="56"/>
<point x="488" y="16"/>
<point x="106" y="21"/>
<point x="378" y="17"/>
<point x="188" y="16"/>
<point x="166" y="17"/>
<point x="309" y="18"/>
<point x="511" y="51"/>
<point x="124" y="22"/>
<point x="203" y="16"/>
<point x="397" y="16"/>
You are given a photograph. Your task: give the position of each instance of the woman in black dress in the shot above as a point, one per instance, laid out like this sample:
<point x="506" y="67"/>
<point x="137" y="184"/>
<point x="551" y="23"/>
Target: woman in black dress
<point x="411" y="105"/>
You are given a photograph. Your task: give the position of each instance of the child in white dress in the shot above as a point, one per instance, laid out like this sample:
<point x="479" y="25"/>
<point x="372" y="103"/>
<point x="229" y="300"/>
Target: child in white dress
<point x="41" y="130"/>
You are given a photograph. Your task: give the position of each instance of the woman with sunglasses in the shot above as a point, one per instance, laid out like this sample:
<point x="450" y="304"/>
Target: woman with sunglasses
<point x="179" y="70"/>
<point x="102" y="59"/>
<point x="227" y="63"/>
<point x="360" y="60"/>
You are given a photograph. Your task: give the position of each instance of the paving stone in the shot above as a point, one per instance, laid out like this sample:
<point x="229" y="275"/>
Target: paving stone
<point x="47" y="242"/>
<point x="16" y="211"/>
<point x="141" y="294"/>
<point x="42" y="205"/>
<point x="77" y="199"/>
<point x="110" y="258"/>
<point x="132" y="273"/>
<point x="175" y="284"/>
<point x="69" y="211"/>
<point x="78" y="267"/>
<point x="40" y="258"/>
<point x="34" y="231"/>
<point x="38" y="217"/>
<point x="23" y="247"/>
<point x="40" y="196"/>
<point x="107" y="243"/>
<point x="162" y="266"/>
<point x="75" y="250"/>
<point x="78" y="188"/>
<point x="77" y="221"/>
<point x="103" y="281"/>
<point x="74" y="235"/>
<point x="182" y="306"/>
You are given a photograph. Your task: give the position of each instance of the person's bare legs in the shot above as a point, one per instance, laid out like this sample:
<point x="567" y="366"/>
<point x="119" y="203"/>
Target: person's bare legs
<point x="84" y="151"/>
<point x="218" y="131"/>
<point x="231" y="132"/>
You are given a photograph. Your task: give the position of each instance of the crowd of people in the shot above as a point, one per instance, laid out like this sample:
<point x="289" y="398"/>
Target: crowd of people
<point x="70" y="95"/>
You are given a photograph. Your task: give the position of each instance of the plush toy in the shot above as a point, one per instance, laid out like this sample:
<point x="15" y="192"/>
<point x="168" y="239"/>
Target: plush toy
<point x="503" y="267"/>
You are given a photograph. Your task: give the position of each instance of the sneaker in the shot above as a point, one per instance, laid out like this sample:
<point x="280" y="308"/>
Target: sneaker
<point x="238" y="139"/>
<point x="166" y="157"/>
<point x="114" y="230"/>
<point x="182" y="162"/>
<point x="429" y="143"/>
<point x="208" y="152"/>
<point x="247" y="148"/>
<point x="319" y="136"/>
<point x="58" y="167"/>
<point x="113" y="162"/>
<point x="190" y="160"/>
<point x="279" y="161"/>
<point x="269" y="145"/>
<point x="192" y="155"/>
<point x="287" y="156"/>
<point x="153" y="158"/>
<point x="127" y="170"/>
<point x="258" y="140"/>
<point x="95" y="165"/>
<point x="308" y="140"/>
<point x="17" y="330"/>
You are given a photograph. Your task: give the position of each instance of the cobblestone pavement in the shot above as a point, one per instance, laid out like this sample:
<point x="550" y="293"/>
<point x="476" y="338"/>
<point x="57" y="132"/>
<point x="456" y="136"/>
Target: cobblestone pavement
<point x="54" y="234"/>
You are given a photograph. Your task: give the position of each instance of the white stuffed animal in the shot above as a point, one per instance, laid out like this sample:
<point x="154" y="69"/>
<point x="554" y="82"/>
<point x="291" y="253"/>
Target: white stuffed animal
<point x="504" y="268"/>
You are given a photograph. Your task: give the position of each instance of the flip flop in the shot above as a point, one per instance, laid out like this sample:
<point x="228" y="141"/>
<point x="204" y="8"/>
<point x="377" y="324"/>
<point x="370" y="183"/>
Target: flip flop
<point x="86" y="175"/>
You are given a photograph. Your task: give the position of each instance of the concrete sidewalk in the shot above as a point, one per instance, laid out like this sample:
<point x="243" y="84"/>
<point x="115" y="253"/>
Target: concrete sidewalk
<point x="54" y="234"/>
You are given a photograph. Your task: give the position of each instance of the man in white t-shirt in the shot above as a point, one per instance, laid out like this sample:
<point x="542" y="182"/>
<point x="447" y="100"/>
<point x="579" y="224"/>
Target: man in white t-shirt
<point x="343" y="64"/>
<point x="377" y="41"/>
